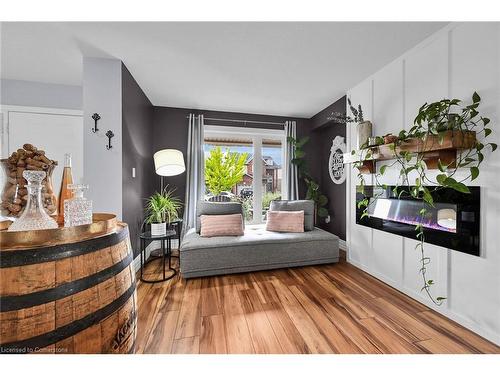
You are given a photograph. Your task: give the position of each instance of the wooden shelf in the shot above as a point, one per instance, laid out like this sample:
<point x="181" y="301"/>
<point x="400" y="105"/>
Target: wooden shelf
<point x="433" y="150"/>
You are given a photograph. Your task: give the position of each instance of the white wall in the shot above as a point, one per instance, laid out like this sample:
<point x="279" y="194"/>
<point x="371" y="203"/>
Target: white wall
<point x="39" y="94"/>
<point x="454" y="62"/>
<point x="102" y="93"/>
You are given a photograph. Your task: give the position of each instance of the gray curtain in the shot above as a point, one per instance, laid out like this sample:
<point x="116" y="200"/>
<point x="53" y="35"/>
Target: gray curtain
<point x="292" y="191"/>
<point x="195" y="180"/>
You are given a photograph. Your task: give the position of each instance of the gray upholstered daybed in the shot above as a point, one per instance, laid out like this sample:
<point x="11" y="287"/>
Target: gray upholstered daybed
<point x="257" y="249"/>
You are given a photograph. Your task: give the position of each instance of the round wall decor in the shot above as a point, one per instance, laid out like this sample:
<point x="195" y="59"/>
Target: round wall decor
<point x="336" y="161"/>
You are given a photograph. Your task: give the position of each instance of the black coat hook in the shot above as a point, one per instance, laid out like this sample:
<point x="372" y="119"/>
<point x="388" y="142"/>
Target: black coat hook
<point x="96" y="118"/>
<point x="110" y="135"/>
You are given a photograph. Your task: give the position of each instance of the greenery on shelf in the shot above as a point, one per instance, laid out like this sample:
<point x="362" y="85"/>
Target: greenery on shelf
<point x="313" y="191"/>
<point x="223" y="170"/>
<point x="162" y="207"/>
<point x="433" y="119"/>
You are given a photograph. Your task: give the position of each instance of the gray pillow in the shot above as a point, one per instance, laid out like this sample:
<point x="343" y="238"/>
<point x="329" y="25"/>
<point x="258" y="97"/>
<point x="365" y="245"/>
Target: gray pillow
<point x="216" y="208"/>
<point x="300" y="205"/>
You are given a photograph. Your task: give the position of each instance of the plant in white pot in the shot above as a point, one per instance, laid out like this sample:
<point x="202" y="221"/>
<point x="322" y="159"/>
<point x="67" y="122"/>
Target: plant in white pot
<point x="162" y="208"/>
<point x="363" y="127"/>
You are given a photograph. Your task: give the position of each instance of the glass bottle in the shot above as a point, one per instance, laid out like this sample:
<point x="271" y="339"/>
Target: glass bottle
<point x="34" y="216"/>
<point x="77" y="210"/>
<point x="65" y="192"/>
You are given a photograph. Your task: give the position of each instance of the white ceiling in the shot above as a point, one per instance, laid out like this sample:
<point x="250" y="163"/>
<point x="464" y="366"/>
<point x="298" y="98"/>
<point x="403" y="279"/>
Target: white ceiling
<point x="290" y="69"/>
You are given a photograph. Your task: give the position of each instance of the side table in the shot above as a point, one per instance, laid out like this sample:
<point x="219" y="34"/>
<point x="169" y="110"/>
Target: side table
<point x="166" y="252"/>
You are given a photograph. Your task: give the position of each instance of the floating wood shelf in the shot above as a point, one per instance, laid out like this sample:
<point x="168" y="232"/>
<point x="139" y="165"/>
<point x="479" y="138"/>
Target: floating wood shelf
<point x="433" y="150"/>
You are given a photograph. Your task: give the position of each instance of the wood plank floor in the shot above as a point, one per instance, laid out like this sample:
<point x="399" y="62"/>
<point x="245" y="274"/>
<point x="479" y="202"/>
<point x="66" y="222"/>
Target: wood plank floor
<point x="319" y="309"/>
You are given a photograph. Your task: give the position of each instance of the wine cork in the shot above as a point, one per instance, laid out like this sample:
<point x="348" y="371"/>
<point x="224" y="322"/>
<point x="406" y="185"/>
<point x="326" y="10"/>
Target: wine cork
<point x="14" y="207"/>
<point x="45" y="159"/>
<point x="29" y="147"/>
<point x="37" y="163"/>
<point x="19" y="172"/>
<point x="10" y="192"/>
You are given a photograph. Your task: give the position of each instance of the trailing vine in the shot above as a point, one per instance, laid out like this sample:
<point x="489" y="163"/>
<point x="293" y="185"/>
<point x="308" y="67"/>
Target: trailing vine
<point x="432" y="122"/>
<point x="313" y="192"/>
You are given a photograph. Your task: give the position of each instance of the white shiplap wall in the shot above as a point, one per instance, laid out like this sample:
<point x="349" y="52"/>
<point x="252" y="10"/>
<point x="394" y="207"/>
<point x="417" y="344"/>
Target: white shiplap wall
<point x="453" y="62"/>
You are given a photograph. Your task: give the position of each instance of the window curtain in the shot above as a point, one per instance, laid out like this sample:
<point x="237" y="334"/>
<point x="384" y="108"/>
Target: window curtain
<point x="195" y="179"/>
<point x="292" y="186"/>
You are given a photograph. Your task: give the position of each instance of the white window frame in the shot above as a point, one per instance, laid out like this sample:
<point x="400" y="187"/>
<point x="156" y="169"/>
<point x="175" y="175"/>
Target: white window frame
<point x="256" y="135"/>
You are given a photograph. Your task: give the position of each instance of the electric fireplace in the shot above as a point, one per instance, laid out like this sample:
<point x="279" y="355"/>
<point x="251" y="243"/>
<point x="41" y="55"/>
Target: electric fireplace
<point x="453" y="222"/>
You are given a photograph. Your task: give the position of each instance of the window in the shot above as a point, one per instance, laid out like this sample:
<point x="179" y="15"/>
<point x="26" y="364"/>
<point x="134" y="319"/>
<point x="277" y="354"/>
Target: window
<point x="230" y="149"/>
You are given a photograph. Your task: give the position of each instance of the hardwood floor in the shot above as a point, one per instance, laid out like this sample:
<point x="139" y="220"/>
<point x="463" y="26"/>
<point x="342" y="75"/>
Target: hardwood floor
<point x="319" y="309"/>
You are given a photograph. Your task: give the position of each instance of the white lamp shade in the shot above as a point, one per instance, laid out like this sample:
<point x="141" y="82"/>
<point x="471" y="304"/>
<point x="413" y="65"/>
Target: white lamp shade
<point x="169" y="162"/>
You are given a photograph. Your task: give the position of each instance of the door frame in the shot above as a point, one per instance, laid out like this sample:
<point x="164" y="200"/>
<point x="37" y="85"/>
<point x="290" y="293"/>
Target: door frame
<point x="5" y="110"/>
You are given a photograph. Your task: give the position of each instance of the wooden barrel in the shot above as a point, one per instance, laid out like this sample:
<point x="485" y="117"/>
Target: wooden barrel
<point x="69" y="298"/>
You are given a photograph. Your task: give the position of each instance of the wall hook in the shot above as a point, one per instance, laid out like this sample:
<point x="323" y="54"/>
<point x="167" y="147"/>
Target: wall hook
<point x="96" y="118"/>
<point x="110" y="135"/>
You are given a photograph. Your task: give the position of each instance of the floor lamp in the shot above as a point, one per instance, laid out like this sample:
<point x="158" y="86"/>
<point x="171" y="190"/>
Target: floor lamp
<point x="168" y="162"/>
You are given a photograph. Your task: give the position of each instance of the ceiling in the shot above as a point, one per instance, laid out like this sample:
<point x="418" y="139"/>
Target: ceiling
<point x="289" y="69"/>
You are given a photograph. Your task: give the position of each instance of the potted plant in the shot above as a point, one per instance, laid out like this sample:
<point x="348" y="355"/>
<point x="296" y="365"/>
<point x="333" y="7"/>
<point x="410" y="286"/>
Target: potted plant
<point x="162" y="208"/>
<point x="313" y="192"/>
<point x="434" y="120"/>
<point x="364" y="127"/>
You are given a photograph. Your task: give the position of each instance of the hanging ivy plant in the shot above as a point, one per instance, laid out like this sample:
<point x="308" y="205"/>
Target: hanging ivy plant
<point x="313" y="191"/>
<point x="433" y="120"/>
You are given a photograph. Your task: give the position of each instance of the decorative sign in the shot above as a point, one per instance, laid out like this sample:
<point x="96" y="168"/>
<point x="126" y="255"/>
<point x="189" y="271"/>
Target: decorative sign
<point x="336" y="161"/>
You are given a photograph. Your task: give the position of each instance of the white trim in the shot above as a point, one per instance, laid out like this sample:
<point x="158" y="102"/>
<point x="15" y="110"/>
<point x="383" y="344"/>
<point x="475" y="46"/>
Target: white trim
<point x="342" y="245"/>
<point x="41" y="110"/>
<point x="238" y="130"/>
<point x="257" y="182"/>
<point x="5" y="110"/>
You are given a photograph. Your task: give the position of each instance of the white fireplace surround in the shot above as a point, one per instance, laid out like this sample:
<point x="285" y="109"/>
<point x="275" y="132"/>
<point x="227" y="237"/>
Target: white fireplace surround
<point x="454" y="62"/>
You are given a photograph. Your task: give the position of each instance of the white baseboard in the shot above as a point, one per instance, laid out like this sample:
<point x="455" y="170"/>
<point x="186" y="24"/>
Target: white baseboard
<point x="152" y="246"/>
<point x="487" y="334"/>
<point x="342" y="245"/>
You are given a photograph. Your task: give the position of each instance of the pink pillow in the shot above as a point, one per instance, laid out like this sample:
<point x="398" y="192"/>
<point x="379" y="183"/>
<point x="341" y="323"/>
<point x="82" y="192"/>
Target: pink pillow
<point x="285" y="221"/>
<point x="221" y="225"/>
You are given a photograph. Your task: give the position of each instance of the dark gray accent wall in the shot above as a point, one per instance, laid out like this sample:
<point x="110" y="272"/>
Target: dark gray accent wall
<point x="323" y="132"/>
<point x="171" y="131"/>
<point x="137" y="133"/>
<point x="147" y="129"/>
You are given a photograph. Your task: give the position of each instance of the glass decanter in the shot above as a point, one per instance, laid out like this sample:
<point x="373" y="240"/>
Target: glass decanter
<point x="77" y="210"/>
<point x="34" y="216"/>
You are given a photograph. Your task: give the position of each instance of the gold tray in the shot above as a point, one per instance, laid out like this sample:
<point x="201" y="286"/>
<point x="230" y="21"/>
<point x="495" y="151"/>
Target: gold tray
<point x="102" y="224"/>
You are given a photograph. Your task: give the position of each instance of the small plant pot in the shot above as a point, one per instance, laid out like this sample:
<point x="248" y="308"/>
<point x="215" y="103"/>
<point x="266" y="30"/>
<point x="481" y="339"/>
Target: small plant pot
<point x="158" y="229"/>
<point x="364" y="131"/>
<point x="390" y="138"/>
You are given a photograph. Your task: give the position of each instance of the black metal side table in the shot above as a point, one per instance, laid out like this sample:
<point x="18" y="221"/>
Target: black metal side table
<point x="177" y="227"/>
<point x="166" y="252"/>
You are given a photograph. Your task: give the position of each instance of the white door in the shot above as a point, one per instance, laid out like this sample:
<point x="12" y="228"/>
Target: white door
<point x="56" y="133"/>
